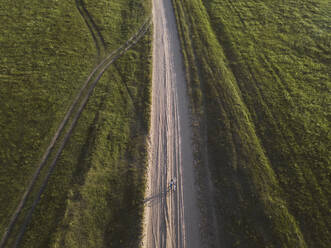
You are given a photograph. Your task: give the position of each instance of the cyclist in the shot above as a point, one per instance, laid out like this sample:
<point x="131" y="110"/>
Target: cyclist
<point x="172" y="185"/>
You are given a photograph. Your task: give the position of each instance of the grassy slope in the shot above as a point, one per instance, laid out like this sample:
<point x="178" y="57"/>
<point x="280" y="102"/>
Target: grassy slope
<point x="46" y="53"/>
<point x="102" y="166"/>
<point x="284" y="51"/>
<point x="265" y="94"/>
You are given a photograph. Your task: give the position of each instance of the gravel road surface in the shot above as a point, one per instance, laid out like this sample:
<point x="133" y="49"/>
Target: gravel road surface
<point x="171" y="218"/>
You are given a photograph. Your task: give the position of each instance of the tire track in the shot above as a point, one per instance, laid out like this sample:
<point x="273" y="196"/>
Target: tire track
<point x="98" y="39"/>
<point x="101" y="68"/>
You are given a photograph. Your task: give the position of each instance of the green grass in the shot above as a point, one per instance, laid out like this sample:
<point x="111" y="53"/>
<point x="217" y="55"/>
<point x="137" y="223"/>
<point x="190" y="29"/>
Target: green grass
<point x="47" y="54"/>
<point x="262" y="68"/>
<point x="103" y="183"/>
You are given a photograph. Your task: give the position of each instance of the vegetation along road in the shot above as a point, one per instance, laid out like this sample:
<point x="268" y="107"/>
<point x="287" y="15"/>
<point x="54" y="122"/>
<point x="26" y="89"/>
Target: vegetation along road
<point x="57" y="51"/>
<point x="260" y="83"/>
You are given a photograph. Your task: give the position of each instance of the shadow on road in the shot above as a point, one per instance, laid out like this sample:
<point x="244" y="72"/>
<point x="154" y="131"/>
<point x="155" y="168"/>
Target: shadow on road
<point x="151" y="200"/>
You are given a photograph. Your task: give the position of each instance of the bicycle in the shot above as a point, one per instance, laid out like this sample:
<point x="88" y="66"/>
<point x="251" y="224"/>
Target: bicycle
<point x="172" y="186"/>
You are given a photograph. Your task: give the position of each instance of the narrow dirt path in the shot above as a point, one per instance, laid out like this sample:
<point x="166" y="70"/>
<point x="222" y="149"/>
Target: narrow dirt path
<point x="171" y="219"/>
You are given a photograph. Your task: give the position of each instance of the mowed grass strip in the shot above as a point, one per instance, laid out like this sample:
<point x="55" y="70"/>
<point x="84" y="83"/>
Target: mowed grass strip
<point x="266" y="105"/>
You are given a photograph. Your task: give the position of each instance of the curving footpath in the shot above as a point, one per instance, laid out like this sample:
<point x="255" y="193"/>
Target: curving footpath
<point x="172" y="219"/>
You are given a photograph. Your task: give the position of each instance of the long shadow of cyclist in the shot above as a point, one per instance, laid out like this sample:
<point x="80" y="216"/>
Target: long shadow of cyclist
<point x="151" y="200"/>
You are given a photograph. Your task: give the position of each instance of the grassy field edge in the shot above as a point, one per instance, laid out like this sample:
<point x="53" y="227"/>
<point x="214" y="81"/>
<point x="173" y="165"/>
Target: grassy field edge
<point x="256" y="174"/>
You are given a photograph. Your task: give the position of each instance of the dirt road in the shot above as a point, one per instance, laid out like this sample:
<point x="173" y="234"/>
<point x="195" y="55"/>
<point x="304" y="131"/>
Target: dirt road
<point x="171" y="219"/>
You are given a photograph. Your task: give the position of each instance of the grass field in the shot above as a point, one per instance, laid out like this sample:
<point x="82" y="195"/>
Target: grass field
<point x="47" y="52"/>
<point x="259" y="79"/>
